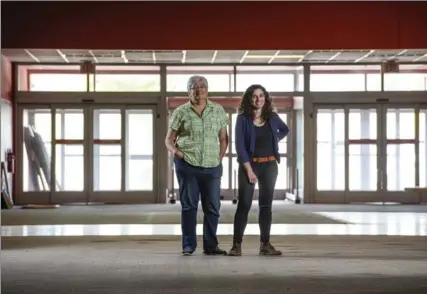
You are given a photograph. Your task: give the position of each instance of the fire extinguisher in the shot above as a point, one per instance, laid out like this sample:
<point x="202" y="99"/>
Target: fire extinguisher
<point x="10" y="160"/>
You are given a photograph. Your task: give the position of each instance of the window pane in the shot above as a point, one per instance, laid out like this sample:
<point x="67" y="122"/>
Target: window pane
<point x="58" y="82"/>
<point x="273" y="78"/>
<point x="282" y="177"/>
<point x="337" y="82"/>
<point x="345" y="78"/>
<point x="400" y="124"/>
<point x="139" y="149"/>
<point x="220" y="78"/>
<point x="42" y="124"/>
<point x="330" y="149"/>
<point x="411" y="77"/>
<point x="69" y="124"/>
<point x="225" y="173"/>
<point x="400" y="166"/>
<point x="107" y="168"/>
<point x="283" y="144"/>
<point x="127" y="82"/>
<point x="423" y="148"/>
<point x="233" y="127"/>
<point x="69" y="167"/>
<point x="300" y="147"/>
<point x="362" y="124"/>
<point x="140" y="175"/>
<point x="107" y="124"/>
<point x="140" y="131"/>
<point x="228" y="132"/>
<point x="235" y="173"/>
<point x="373" y="82"/>
<point x="363" y="171"/>
<point x="175" y="179"/>
<point x="37" y="150"/>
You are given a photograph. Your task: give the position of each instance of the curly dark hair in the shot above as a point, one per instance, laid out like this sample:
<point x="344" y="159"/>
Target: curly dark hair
<point x="245" y="106"/>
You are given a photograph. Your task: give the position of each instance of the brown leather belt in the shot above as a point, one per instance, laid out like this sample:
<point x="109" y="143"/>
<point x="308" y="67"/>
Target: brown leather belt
<point x="263" y="159"/>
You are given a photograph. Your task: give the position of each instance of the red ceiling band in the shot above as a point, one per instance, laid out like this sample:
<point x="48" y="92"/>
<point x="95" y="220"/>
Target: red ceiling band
<point x="284" y="25"/>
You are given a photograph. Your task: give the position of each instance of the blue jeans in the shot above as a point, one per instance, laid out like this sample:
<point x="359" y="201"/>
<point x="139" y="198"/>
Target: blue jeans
<point x="206" y="182"/>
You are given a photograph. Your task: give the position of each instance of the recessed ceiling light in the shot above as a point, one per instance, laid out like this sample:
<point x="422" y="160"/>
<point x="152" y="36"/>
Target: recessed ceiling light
<point x="274" y="56"/>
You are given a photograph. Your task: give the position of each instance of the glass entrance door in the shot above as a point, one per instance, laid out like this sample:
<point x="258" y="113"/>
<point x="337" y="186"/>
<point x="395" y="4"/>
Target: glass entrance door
<point x="400" y="142"/>
<point x="330" y="164"/>
<point x="75" y="154"/>
<point x="363" y="154"/>
<point x="366" y="153"/>
<point x="69" y="154"/>
<point x="122" y="168"/>
<point x="34" y="166"/>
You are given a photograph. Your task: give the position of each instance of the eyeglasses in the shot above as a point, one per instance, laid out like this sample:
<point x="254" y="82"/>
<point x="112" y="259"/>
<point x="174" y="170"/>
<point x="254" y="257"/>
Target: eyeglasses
<point x="194" y="87"/>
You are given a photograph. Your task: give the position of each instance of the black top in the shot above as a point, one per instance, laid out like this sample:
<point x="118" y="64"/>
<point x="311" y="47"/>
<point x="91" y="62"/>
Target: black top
<point x="263" y="141"/>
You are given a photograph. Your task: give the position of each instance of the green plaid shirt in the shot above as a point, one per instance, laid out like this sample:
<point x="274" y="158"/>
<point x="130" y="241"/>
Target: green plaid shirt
<point x="198" y="137"/>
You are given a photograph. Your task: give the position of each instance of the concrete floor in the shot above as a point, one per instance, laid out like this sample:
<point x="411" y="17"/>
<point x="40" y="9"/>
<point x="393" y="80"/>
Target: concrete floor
<point x="351" y="249"/>
<point x="310" y="264"/>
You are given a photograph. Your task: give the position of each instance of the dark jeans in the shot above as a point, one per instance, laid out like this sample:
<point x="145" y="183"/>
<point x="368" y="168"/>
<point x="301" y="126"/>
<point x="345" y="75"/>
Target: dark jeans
<point x="192" y="182"/>
<point x="267" y="175"/>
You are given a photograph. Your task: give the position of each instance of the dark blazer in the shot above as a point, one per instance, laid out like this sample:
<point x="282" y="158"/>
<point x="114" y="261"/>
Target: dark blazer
<point x="245" y="136"/>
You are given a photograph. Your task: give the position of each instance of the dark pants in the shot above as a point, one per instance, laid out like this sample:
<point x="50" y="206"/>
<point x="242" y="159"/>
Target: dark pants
<point x="192" y="182"/>
<point x="267" y="175"/>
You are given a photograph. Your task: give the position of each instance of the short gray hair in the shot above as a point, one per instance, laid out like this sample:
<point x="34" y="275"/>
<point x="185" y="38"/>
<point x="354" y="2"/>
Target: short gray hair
<point x="193" y="79"/>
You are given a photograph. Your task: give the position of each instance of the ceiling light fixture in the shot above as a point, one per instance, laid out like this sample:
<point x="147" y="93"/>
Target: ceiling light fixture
<point x="275" y="56"/>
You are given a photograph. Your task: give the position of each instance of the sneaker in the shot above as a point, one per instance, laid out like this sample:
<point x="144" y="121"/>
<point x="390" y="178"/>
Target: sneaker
<point x="187" y="251"/>
<point x="268" y="249"/>
<point x="215" y="251"/>
<point x="236" y="250"/>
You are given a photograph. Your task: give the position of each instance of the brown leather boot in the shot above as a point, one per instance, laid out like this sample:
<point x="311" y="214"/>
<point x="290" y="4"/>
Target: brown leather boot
<point x="236" y="250"/>
<point x="268" y="249"/>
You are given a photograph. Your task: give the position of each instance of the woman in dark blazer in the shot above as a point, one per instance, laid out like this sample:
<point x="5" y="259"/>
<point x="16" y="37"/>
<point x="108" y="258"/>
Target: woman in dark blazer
<point x="258" y="132"/>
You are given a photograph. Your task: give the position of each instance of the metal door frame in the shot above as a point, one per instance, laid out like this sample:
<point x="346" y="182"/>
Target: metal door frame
<point x="382" y="194"/>
<point x="87" y="195"/>
<point x="361" y="196"/>
<point x="121" y="196"/>
<point x="60" y="197"/>
<point x="398" y="196"/>
<point x="28" y="197"/>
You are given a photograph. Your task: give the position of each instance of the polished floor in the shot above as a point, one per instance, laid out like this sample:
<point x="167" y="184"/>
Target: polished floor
<point x="341" y="223"/>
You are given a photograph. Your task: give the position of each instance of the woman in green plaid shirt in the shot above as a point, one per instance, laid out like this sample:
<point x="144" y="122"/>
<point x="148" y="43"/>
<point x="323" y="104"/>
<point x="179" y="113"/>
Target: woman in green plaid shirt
<point x="197" y="137"/>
